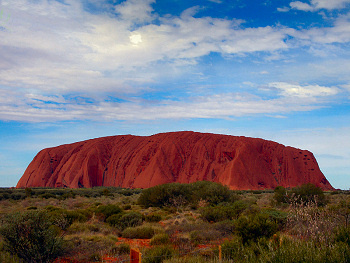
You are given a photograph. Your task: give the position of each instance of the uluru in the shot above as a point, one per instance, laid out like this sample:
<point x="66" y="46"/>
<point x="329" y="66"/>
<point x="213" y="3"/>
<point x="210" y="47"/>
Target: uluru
<point x="129" y="161"/>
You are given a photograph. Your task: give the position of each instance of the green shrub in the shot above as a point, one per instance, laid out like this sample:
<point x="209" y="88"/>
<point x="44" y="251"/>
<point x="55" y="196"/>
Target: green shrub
<point x="158" y="254"/>
<point x="141" y="232"/>
<point x="342" y="234"/>
<point x="199" y="237"/>
<point x="126" y="207"/>
<point x="160" y="239"/>
<point x="108" y="210"/>
<point x="122" y="221"/>
<point x="178" y="195"/>
<point x="47" y="196"/>
<point x="213" y="193"/>
<point x="173" y="194"/>
<point x="28" y="192"/>
<point x="31" y="236"/>
<point x="6" y="257"/>
<point x="281" y="195"/>
<point x="292" y="251"/>
<point x="234" y="250"/>
<point x="279" y="217"/>
<point x="253" y="227"/>
<point x="153" y="218"/>
<point x="214" y="214"/>
<point x="75" y="216"/>
<point x="64" y="218"/>
<point x="95" y="257"/>
<point x="85" y="248"/>
<point x="309" y="193"/>
<point x="82" y="227"/>
<point x="223" y="212"/>
<point x="130" y="219"/>
<point x="226" y="227"/>
<point x="113" y="220"/>
<point x="121" y="249"/>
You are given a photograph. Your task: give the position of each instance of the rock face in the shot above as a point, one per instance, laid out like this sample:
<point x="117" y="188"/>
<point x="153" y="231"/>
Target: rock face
<point x="184" y="157"/>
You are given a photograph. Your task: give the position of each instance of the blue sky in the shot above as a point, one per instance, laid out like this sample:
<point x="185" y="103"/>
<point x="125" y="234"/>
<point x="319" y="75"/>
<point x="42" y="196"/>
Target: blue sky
<point x="79" y="69"/>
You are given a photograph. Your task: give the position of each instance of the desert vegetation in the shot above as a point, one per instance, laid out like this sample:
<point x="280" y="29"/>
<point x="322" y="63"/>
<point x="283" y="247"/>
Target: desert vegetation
<point x="198" y="222"/>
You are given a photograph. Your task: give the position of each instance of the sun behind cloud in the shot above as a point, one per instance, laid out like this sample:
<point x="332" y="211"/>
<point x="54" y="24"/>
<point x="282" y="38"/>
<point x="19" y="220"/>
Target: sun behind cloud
<point x="136" y="39"/>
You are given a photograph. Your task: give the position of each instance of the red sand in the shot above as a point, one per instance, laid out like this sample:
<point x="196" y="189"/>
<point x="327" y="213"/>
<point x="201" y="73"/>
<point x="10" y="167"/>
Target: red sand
<point x="141" y="162"/>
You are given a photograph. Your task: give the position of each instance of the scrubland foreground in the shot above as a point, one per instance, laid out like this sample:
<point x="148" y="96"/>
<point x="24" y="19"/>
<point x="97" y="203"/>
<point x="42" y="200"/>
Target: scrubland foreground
<point x="174" y="223"/>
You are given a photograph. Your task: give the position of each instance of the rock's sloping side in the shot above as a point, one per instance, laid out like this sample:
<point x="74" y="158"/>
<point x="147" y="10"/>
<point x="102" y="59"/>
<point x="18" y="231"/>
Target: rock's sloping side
<point x="184" y="157"/>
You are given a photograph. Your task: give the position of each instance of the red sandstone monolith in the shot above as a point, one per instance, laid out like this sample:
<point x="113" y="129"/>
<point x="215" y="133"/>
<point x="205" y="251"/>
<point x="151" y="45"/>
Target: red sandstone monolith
<point x="184" y="157"/>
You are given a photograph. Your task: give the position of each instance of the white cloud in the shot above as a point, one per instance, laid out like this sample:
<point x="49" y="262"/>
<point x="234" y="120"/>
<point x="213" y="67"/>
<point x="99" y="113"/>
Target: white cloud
<point x="55" y="46"/>
<point x="316" y="5"/>
<point x="61" y="49"/>
<point x="301" y="6"/>
<point x="136" y="11"/>
<point x="283" y="9"/>
<point x="339" y="32"/>
<point x="330" y="5"/>
<point x="307" y="91"/>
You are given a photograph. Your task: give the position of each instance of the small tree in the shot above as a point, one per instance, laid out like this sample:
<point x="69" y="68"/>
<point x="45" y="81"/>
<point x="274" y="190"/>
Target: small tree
<point x="31" y="236"/>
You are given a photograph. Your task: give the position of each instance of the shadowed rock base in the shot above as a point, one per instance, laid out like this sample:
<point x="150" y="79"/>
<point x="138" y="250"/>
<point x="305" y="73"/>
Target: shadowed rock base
<point x="141" y="162"/>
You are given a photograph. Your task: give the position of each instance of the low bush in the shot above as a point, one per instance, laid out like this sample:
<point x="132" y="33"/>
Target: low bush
<point x="215" y="214"/>
<point x="253" y="227"/>
<point x="82" y="227"/>
<point x="160" y="239"/>
<point x="47" y="196"/>
<point x="86" y="248"/>
<point x="226" y="228"/>
<point x="122" y="221"/>
<point x="108" y="210"/>
<point x="31" y="236"/>
<point x="173" y="194"/>
<point x="279" y="217"/>
<point x="223" y="212"/>
<point x="342" y="234"/>
<point x="141" y="232"/>
<point x="130" y="219"/>
<point x="292" y="251"/>
<point x="235" y="250"/>
<point x="126" y="207"/>
<point x="304" y="193"/>
<point x="309" y="193"/>
<point x="153" y="218"/>
<point x="121" y="249"/>
<point x="113" y="220"/>
<point x="212" y="193"/>
<point x="178" y="195"/>
<point x="158" y="254"/>
<point x="281" y="195"/>
<point x="199" y="237"/>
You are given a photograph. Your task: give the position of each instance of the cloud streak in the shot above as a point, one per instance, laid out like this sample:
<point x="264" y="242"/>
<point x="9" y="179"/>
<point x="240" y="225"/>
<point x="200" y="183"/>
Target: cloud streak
<point x="39" y="108"/>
